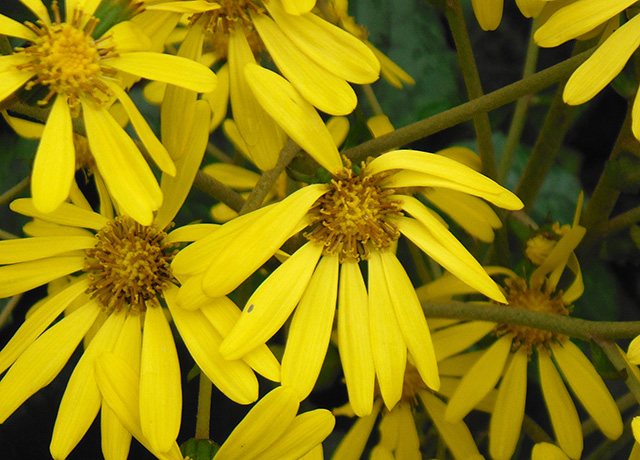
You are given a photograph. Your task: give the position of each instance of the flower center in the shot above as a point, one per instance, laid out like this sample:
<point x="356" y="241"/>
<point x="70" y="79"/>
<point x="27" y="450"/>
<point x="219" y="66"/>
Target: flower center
<point x="540" y="298"/>
<point x="66" y="59"/>
<point x="353" y="215"/>
<point x="413" y="383"/>
<point x="129" y="266"/>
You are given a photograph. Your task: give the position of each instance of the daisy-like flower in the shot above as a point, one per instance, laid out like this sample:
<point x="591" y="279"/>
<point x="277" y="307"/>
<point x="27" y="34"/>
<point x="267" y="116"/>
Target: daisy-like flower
<point x="270" y="431"/>
<point x="507" y="359"/>
<point x="399" y="437"/>
<point x="317" y="59"/>
<point x="584" y="16"/>
<point x="121" y="274"/>
<point x="357" y="217"/>
<point x="489" y="12"/>
<point x="81" y="67"/>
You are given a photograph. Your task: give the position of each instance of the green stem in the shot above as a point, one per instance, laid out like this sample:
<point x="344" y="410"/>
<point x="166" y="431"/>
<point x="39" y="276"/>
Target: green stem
<point x="565" y="325"/>
<point x="270" y="177"/>
<point x="520" y="112"/>
<point x="618" y="360"/>
<point x="535" y="431"/>
<point x="203" y="418"/>
<point x="14" y="191"/>
<point x="617" y="225"/>
<point x="8" y="308"/>
<point x="218" y="190"/>
<point x="471" y="76"/>
<point x="373" y="100"/>
<point x="466" y="111"/>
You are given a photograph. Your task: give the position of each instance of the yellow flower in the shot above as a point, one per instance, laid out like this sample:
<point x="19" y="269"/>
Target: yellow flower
<point x="584" y="16"/>
<point x="399" y="437"/>
<point x="80" y="72"/>
<point x="358" y="216"/>
<point x="489" y="12"/>
<point x="270" y="431"/>
<point x="121" y="274"/>
<point x="507" y="357"/>
<point x="316" y="59"/>
<point x="547" y="451"/>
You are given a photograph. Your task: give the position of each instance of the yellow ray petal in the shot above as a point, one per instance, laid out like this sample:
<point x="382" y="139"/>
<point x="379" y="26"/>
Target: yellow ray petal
<point x="55" y="161"/>
<point x="331" y="47"/>
<point x="160" y="387"/>
<point x="127" y="36"/>
<point x="254" y="245"/>
<point x="155" y="149"/>
<point x="234" y="176"/>
<point x="298" y="7"/>
<point x="81" y="400"/>
<point x="467" y="269"/>
<point x="294" y="115"/>
<point x="272" y="303"/>
<point x="455" y="339"/>
<point x="12" y="79"/>
<point x="24" y="276"/>
<point x="480" y="379"/>
<point x="52" y="307"/>
<point x="408" y="442"/>
<point x="338" y="128"/>
<point x="65" y="214"/>
<point x="562" y="411"/>
<point x="390" y="71"/>
<point x="354" y="339"/>
<point x="559" y="256"/>
<point x="24" y="128"/>
<point x="317" y="85"/>
<point x="24" y="249"/>
<point x="13" y="28"/>
<point x="189" y="233"/>
<point x="488" y="13"/>
<point x="118" y="385"/>
<point x="219" y="99"/>
<point x="262" y="135"/>
<point x="587" y="385"/>
<point x="233" y="377"/>
<point x="603" y="65"/>
<point x="576" y="19"/>
<point x="311" y="328"/>
<point x="547" y="451"/>
<point x="506" y="420"/>
<point x="192" y="6"/>
<point x="129" y="179"/>
<point x="456" y="435"/>
<point x="42" y="360"/>
<point x="410" y="319"/>
<point x="387" y="343"/>
<point x="223" y="314"/>
<point x="353" y="443"/>
<point x="175" y="189"/>
<point x="262" y="426"/>
<point x="306" y="431"/>
<point x="170" y="69"/>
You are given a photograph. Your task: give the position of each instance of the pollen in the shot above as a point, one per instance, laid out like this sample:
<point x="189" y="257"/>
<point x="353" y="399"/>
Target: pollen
<point x="354" y="215"/>
<point x="129" y="267"/>
<point x="66" y="59"/>
<point x="541" y="298"/>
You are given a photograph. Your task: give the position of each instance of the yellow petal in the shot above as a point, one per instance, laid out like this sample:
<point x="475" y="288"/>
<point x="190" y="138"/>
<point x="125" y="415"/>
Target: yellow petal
<point x="24" y="276"/>
<point x="262" y="426"/>
<point x="232" y="175"/>
<point x="272" y="303"/>
<point x="160" y="387"/>
<point x="129" y="179"/>
<point x="253" y="246"/>
<point x="455" y="339"/>
<point x="233" y="377"/>
<point x="559" y="256"/>
<point x="354" y="339"/>
<point x="175" y="189"/>
<point x="24" y="128"/>
<point x="155" y="149"/>
<point x="603" y="65"/>
<point x="353" y="443"/>
<point x="387" y="343"/>
<point x="339" y="129"/>
<point x="24" y="249"/>
<point x="587" y="385"/>
<point x="170" y="69"/>
<point x="635" y="117"/>
<point x="81" y="400"/>
<point x="31" y="329"/>
<point x="294" y="115"/>
<point x="307" y="431"/>
<point x="311" y="327"/>
<point x="317" y="85"/>
<point x="547" y="451"/>
<point x="410" y="319"/>
<point x="219" y="98"/>
<point x="456" y="435"/>
<point x="390" y="71"/>
<point x="633" y="354"/>
<point x="192" y="6"/>
<point x="331" y="47"/>
<point x="298" y="6"/>
<point x="480" y="379"/>
<point x="488" y="13"/>
<point x="42" y="360"/>
<point x="576" y="19"/>
<point x="189" y="233"/>
<point x="65" y="214"/>
<point x="506" y="420"/>
<point x="262" y="135"/>
<point x="562" y="411"/>
<point x="408" y="442"/>
<point x="12" y="79"/>
<point x="13" y="28"/>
